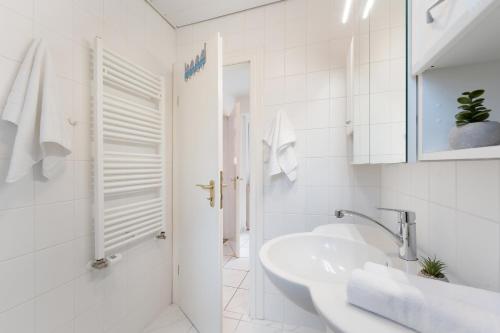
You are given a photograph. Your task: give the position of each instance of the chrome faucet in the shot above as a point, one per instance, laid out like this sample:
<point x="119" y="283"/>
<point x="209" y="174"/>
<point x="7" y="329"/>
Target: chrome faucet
<point x="407" y="237"/>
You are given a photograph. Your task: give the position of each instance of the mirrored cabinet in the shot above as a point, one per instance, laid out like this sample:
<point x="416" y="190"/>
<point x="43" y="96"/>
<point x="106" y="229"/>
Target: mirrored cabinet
<point x="377" y="75"/>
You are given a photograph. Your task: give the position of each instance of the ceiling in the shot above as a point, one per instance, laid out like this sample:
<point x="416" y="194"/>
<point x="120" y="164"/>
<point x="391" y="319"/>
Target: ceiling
<point x="185" y="12"/>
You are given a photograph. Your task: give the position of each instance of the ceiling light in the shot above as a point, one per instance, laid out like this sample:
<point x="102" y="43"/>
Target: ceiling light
<point x="347" y="11"/>
<point x="368" y="8"/>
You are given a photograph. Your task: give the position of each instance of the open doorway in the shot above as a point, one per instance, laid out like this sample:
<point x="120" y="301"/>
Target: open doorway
<point x="236" y="167"/>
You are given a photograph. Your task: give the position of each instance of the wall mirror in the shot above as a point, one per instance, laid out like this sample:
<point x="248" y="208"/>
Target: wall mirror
<point x="377" y="82"/>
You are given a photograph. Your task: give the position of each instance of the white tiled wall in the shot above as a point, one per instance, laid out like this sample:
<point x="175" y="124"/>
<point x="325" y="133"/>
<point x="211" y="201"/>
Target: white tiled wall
<point x="458" y="213"/>
<point x="46" y="227"/>
<point x="387" y="82"/>
<point x="304" y="46"/>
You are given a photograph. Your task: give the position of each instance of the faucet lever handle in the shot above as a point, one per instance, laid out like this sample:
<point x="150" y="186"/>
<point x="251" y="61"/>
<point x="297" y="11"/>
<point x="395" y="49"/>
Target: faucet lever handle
<point x="392" y="209"/>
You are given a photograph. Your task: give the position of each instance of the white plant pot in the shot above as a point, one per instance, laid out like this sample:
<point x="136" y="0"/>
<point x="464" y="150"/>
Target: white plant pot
<point x="443" y="279"/>
<point x="473" y="135"/>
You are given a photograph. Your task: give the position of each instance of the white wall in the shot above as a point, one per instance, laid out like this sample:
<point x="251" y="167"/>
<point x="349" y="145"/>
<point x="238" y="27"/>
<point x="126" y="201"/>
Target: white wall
<point x="304" y="46"/>
<point x="458" y="213"/>
<point x="46" y="227"/>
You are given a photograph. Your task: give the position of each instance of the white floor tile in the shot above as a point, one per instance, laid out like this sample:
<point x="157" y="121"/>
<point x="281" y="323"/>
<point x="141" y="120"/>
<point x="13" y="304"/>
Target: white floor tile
<point x="183" y="326"/>
<point x="232" y="315"/>
<point x="172" y="320"/>
<point x="258" y="327"/>
<point x="227" y="294"/>
<point x="239" y="302"/>
<point x="300" y="329"/>
<point x="238" y="263"/>
<point x="246" y="282"/>
<point x="233" y="277"/>
<point x="170" y="316"/>
<point x="229" y="325"/>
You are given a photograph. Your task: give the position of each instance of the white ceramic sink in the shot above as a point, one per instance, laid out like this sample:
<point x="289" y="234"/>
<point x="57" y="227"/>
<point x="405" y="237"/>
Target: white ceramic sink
<point x="298" y="261"/>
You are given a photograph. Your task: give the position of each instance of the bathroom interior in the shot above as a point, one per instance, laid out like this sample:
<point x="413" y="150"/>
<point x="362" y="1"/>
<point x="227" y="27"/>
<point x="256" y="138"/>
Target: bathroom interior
<point x="267" y="166"/>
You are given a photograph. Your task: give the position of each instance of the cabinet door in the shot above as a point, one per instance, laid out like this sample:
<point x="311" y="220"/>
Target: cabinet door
<point x="430" y="37"/>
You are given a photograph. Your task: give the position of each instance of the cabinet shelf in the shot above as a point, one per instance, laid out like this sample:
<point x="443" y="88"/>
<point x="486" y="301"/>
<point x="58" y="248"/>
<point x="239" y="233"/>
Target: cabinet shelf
<point x="462" y="154"/>
<point x="438" y="92"/>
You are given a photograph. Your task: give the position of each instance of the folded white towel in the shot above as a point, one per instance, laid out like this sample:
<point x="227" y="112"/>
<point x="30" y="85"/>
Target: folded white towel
<point x="480" y="298"/>
<point x="33" y="107"/>
<point x="411" y="307"/>
<point x="280" y="140"/>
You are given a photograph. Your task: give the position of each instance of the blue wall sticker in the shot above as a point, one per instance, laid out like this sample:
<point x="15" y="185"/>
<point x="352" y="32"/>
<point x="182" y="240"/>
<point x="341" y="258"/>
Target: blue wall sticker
<point x="196" y="65"/>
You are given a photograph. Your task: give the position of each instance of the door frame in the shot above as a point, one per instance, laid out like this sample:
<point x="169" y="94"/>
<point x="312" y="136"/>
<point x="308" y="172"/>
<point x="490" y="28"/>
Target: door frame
<point x="256" y="164"/>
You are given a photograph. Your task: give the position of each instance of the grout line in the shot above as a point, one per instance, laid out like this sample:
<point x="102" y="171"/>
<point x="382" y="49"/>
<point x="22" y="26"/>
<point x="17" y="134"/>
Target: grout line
<point x="230" y="299"/>
<point x="241" y="282"/>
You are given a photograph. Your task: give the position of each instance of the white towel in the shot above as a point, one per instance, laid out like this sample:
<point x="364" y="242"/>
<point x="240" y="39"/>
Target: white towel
<point x="416" y="309"/>
<point x="480" y="298"/>
<point x="33" y="107"/>
<point x="280" y="140"/>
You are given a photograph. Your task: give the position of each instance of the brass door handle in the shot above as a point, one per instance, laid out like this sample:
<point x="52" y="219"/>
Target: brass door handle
<point x="210" y="187"/>
<point x="207" y="187"/>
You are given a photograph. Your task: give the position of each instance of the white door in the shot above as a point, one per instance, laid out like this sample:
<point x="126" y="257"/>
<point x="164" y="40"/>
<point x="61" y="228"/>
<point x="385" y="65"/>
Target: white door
<point x="197" y="162"/>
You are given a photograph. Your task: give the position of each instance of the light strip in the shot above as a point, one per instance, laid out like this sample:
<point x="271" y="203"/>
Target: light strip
<point x="368" y="8"/>
<point x="347" y="11"/>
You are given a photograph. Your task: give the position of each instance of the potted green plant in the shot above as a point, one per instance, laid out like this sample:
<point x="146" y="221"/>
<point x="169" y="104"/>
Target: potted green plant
<point x="433" y="268"/>
<point x="473" y="129"/>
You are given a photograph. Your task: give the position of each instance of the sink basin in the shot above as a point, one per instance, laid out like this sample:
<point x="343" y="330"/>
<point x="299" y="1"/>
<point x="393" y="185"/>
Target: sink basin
<point x="296" y="262"/>
<point x="369" y="234"/>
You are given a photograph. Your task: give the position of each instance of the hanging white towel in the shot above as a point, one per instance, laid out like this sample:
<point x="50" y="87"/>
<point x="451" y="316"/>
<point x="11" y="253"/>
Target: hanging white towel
<point x="33" y="107"/>
<point x="280" y="140"/>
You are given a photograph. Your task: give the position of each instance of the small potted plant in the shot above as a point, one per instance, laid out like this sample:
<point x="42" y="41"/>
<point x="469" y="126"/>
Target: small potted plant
<point x="433" y="268"/>
<point x="472" y="126"/>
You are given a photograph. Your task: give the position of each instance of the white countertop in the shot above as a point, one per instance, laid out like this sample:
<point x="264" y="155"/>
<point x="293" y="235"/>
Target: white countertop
<point x="330" y="301"/>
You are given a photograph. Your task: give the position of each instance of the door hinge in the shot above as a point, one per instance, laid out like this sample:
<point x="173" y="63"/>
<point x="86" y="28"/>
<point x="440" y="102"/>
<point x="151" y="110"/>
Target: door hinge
<point x="177" y="100"/>
<point x="178" y="270"/>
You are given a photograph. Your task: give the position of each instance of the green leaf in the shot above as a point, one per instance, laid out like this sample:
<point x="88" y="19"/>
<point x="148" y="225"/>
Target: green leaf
<point x="433" y="266"/>
<point x="461" y="122"/>
<point x="464" y="115"/>
<point x="465" y="107"/>
<point x="476" y="93"/>
<point x="478" y="101"/>
<point x="480" y="116"/>
<point x="464" y="100"/>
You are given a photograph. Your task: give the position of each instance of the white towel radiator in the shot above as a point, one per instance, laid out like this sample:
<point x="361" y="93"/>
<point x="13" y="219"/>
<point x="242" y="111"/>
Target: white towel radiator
<point x="129" y="154"/>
